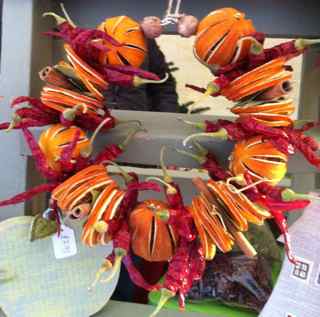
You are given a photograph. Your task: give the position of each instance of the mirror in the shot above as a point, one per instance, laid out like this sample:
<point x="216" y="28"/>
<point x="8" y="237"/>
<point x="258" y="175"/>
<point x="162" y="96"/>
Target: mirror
<point x="179" y="50"/>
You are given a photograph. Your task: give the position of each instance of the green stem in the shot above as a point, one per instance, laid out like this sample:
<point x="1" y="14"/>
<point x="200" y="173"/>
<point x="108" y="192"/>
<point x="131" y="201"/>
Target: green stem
<point x="221" y="134"/>
<point x="58" y="18"/>
<point x="70" y="114"/>
<point x="94" y="195"/>
<point x="88" y="150"/>
<point x="171" y="189"/>
<point x="138" y="81"/>
<point x="289" y="195"/>
<point x="256" y="47"/>
<point x="200" y="149"/>
<point x="163" y="215"/>
<point x="301" y="44"/>
<point x="165" y="296"/>
<point x="124" y="174"/>
<point x="67" y="15"/>
<point x="196" y="157"/>
<point x="15" y="120"/>
<point x="198" y="125"/>
<point x="119" y="255"/>
<point x="138" y="122"/>
<point x="212" y="88"/>
<point x="106" y="266"/>
<point x="239" y="179"/>
<point x="238" y="191"/>
<point x="123" y="145"/>
<point x="166" y="177"/>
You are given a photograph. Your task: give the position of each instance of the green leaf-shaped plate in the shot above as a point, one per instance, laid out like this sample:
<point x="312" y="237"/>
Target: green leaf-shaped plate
<point x="42" y="286"/>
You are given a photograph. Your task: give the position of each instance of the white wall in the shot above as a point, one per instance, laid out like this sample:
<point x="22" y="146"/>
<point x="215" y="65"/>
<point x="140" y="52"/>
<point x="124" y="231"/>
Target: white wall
<point x="14" y="81"/>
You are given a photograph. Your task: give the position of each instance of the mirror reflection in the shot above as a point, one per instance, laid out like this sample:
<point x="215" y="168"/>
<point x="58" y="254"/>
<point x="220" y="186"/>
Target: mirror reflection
<point x="170" y="53"/>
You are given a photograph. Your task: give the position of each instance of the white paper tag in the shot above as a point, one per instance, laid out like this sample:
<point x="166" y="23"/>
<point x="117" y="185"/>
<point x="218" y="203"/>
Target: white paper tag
<point x="64" y="246"/>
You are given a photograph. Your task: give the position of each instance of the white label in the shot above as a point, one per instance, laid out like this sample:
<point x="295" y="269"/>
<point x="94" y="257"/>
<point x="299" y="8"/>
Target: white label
<point x="64" y="246"/>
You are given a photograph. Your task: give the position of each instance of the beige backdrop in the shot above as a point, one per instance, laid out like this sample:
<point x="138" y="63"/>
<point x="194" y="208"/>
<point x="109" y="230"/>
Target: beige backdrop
<point x="179" y="51"/>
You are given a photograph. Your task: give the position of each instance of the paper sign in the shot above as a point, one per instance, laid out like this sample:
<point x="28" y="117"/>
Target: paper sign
<point x="64" y="246"/>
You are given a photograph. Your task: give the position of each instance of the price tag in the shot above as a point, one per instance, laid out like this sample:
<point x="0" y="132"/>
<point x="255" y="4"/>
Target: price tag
<point x="64" y="246"/>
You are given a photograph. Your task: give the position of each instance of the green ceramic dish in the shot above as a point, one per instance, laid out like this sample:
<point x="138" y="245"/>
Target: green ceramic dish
<point x="212" y="307"/>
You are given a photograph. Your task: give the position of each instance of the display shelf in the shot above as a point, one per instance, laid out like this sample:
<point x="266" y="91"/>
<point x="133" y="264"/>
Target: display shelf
<point x="166" y="129"/>
<point x="120" y="309"/>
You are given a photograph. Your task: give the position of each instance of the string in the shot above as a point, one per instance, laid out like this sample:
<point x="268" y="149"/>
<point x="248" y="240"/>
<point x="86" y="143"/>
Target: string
<point x="169" y="7"/>
<point x="178" y="7"/>
<point x="172" y="17"/>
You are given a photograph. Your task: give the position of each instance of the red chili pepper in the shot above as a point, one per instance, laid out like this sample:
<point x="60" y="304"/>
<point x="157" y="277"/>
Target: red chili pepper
<point x="29" y="194"/>
<point x="277" y="210"/>
<point x="270" y="191"/>
<point x="144" y="186"/>
<point x="283" y="145"/>
<point x="216" y="172"/>
<point x="297" y="139"/>
<point x="128" y="78"/>
<point x="92" y="122"/>
<point x="25" y="123"/>
<point x="39" y="157"/>
<point x="283" y="227"/>
<point x="54" y="215"/>
<point x="186" y="266"/>
<point x="251" y="125"/>
<point x="284" y="206"/>
<point x="34" y="103"/>
<point x="82" y="40"/>
<point x="211" y="126"/>
<point x="110" y="153"/>
<point x="308" y="126"/>
<point x="234" y="129"/>
<point x="122" y="238"/>
<point x="180" y="219"/>
<point x="208" y="161"/>
<point x="287" y="50"/>
<point x="130" y="200"/>
<point x="33" y="113"/>
<point x="135" y="275"/>
<point x="233" y="71"/>
<point x="197" y="265"/>
<point x="131" y="70"/>
<point x="277" y="207"/>
<point x="116" y="78"/>
<point x="311" y="142"/>
<point x="197" y="262"/>
<point x="66" y="155"/>
<point x="113" y="151"/>
<point x="81" y="163"/>
<point x="179" y="268"/>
